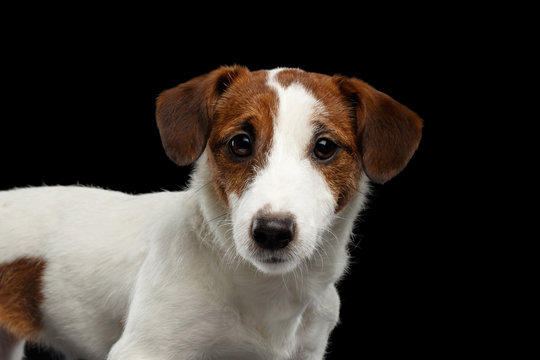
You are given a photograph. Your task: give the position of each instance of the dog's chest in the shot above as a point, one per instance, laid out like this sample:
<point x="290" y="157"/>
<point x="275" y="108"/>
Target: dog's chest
<point x="253" y="339"/>
<point x="263" y="321"/>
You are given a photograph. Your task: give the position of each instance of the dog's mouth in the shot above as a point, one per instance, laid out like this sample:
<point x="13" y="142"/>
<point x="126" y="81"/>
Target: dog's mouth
<point x="273" y="260"/>
<point x="276" y="262"/>
<point x="265" y="256"/>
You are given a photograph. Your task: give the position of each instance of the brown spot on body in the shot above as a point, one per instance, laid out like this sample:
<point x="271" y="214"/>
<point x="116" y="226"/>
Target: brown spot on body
<point x="21" y="296"/>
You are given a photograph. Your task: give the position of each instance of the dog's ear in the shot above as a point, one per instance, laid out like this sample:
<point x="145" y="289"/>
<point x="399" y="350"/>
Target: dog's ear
<point x="184" y="113"/>
<point x="388" y="133"/>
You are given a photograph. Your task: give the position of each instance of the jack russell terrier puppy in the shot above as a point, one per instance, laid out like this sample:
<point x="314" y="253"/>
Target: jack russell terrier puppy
<point x="243" y="263"/>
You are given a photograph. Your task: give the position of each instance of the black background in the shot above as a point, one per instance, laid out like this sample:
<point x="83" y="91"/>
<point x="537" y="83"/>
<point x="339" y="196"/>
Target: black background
<point x="78" y="107"/>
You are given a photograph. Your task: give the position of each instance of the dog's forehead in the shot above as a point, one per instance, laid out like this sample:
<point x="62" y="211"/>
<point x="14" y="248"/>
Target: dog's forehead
<point x="320" y="86"/>
<point x="286" y="77"/>
<point x="312" y="100"/>
<point x="290" y="95"/>
<point x="261" y="89"/>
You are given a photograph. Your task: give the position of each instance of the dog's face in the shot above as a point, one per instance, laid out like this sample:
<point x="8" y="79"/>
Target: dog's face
<point x="287" y="151"/>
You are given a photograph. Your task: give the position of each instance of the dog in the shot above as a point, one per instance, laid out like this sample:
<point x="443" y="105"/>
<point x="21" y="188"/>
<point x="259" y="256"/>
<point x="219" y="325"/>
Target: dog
<point x="240" y="265"/>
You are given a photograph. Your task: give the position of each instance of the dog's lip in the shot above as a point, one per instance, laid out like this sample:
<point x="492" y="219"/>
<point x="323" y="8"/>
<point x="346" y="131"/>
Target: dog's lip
<point x="273" y="260"/>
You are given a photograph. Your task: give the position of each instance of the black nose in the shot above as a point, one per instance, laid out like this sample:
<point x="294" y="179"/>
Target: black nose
<point x="273" y="232"/>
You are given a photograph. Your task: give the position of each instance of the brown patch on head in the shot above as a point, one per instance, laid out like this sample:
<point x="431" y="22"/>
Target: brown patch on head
<point x="21" y="296"/>
<point x="247" y="107"/>
<point x="210" y="110"/>
<point x="344" y="170"/>
<point x="184" y="114"/>
<point x="375" y="133"/>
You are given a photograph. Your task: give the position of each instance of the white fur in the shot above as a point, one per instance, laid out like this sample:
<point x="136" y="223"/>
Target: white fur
<point x="170" y="275"/>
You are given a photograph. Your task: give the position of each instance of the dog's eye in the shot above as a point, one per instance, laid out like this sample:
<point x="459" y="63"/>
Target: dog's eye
<point x="240" y="145"/>
<point x="324" y="149"/>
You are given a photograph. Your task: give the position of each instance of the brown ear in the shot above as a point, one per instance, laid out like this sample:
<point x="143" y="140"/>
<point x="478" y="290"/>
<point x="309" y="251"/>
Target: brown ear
<point x="388" y="133"/>
<point x="184" y="113"/>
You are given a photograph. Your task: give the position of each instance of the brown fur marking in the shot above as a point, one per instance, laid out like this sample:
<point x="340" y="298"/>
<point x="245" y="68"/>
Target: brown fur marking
<point x="388" y="133"/>
<point x="21" y="296"/>
<point x="184" y="113"/>
<point x="375" y="133"/>
<point x="249" y="101"/>
<point x="343" y="171"/>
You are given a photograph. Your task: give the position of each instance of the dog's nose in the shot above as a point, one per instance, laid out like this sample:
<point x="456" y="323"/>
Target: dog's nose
<point x="273" y="232"/>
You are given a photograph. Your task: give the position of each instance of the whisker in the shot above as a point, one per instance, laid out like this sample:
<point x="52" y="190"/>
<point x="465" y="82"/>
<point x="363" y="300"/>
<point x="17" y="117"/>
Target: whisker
<point x="217" y="217"/>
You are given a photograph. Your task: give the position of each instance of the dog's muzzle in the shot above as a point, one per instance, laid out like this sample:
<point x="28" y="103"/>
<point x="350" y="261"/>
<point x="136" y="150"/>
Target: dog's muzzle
<point x="273" y="232"/>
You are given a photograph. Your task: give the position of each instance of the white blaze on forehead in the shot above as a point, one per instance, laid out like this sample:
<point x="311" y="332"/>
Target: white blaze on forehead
<point x="297" y="109"/>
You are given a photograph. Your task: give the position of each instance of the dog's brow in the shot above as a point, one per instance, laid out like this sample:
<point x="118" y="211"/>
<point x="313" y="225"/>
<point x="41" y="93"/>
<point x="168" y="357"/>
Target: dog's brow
<point x="321" y="129"/>
<point x="247" y="126"/>
<point x="243" y="126"/>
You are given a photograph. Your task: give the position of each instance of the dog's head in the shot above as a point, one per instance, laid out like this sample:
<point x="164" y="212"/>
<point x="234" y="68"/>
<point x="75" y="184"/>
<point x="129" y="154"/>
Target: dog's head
<point x="287" y="151"/>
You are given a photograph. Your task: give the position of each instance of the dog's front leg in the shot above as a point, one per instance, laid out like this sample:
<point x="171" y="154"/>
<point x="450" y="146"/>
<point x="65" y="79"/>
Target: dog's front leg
<point x="155" y="330"/>
<point x="170" y="315"/>
<point x="318" y="321"/>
